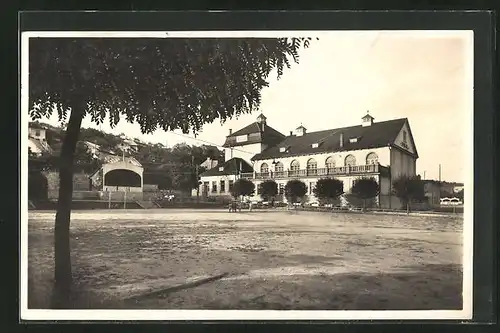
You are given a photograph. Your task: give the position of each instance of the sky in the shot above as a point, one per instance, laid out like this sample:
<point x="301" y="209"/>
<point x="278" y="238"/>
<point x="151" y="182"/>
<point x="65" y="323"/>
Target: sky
<point x="426" y="77"/>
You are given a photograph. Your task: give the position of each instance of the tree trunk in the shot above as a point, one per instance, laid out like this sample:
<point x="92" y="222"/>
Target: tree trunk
<point x="408" y="208"/>
<point x="62" y="263"/>
<point x="364" y="205"/>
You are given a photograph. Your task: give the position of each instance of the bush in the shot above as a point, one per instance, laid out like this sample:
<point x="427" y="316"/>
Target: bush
<point x="328" y="189"/>
<point x="268" y="189"/>
<point x="294" y="190"/>
<point x="365" y="189"/>
<point x="242" y="187"/>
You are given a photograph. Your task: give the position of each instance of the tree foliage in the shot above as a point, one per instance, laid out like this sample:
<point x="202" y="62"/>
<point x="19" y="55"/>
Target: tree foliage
<point x="158" y="83"/>
<point x="242" y="187"/>
<point x="407" y="189"/>
<point x="328" y="189"/>
<point x="295" y="189"/>
<point x="365" y="188"/>
<point x="268" y="189"/>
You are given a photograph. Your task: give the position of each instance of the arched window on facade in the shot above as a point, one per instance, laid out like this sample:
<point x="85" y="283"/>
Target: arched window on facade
<point x="371" y="158"/>
<point x="330" y="162"/>
<point x="278" y="167"/>
<point x="312" y="166"/>
<point x="294" y="167"/>
<point x="264" y="168"/>
<point x="350" y="160"/>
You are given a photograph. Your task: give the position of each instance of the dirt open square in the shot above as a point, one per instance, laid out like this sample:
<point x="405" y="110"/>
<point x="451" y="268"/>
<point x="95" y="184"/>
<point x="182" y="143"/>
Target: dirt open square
<point x="272" y="260"/>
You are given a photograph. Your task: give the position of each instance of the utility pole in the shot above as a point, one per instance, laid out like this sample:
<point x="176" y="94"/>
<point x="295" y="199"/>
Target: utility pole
<point x="197" y="181"/>
<point x="424" y="175"/>
<point x="440" y="173"/>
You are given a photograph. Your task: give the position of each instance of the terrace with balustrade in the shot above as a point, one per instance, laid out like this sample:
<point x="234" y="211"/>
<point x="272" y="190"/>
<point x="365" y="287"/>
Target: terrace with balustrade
<point x="348" y="170"/>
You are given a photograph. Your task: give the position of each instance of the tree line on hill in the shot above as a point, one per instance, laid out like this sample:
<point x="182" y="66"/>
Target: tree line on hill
<point x="175" y="168"/>
<point x="329" y="190"/>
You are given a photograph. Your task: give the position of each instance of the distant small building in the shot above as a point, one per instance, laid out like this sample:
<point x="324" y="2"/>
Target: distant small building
<point x="128" y="170"/>
<point x="218" y="181"/>
<point x="451" y="187"/>
<point x="432" y="191"/>
<point x="209" y="163"/>
<point x="37" y="139"/>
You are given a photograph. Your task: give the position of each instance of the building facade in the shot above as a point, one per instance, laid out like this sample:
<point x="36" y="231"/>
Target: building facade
<point x="382" y="150"/>
<point x="37" y="140"/>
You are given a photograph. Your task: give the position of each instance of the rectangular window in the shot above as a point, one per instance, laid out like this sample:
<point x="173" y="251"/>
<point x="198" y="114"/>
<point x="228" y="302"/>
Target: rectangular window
<point x="231" y="182"/>
<point x="311" y="187"/>
<point x="214" y="187"/>
<point x="37" y="132"/>
<point x="222" y="186"/>
<point x="241" y="138"/>
<point x="281" y="190"/>
<point x="404" y="136"/>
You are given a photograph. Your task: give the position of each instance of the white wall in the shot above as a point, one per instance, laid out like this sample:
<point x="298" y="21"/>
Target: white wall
<point x="383" y="158"/>
<point x="217" y="180"/>
<point x="385" y="186"/>
<point x="399" y="141"/>
<point x="34" y="147"/>
<point x="402" y="164"/>
<point x="245" y="152"/>
<point x="41" y="133"/>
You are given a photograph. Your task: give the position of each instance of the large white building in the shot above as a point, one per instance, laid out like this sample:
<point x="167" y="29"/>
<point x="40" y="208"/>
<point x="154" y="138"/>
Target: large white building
<point x="382" y="150"/>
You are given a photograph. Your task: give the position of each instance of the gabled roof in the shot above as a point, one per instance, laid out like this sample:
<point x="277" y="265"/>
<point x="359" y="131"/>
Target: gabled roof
<point x="262" y="133"/>
<point x="380" y="134"/>
<point x="114" y="159"/>
<point x="36" y="125"/>
<point x="230" y="167"/>
<point x="42" y="146"/>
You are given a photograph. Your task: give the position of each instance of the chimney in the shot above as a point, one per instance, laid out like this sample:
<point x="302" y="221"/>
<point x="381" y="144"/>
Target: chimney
<point x="341" y="140"/>
<point x="230" y="131"/>
<point x="291" y="133"/>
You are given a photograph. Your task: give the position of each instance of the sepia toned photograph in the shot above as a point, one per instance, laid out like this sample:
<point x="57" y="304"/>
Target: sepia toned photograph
<point x="282" y="174"/>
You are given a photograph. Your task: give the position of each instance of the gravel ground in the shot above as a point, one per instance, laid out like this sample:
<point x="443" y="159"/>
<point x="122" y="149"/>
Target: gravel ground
<point x="274" y="260"/>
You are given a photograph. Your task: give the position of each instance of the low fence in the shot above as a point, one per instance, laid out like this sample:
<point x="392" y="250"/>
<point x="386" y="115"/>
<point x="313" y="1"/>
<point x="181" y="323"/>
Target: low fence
<point x="86" y="205"/>
<point x="77" y="195"/>
<point x="436" y="211"/>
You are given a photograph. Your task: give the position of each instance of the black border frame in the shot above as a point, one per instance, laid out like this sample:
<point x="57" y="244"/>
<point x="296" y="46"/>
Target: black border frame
<point x="484" y="119"/>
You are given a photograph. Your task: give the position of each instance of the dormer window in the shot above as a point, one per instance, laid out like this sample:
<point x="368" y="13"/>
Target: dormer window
<point x="242" y="138"/>
<point x="221" y="168"/>
<point x="315" y="145"/>
<point x="367" y="120"/>
<point x="353" y="140"/>
<point x="284" y="149"/>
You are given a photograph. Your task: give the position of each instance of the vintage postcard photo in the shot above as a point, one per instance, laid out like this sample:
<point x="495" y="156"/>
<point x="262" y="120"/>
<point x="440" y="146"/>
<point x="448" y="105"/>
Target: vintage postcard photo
<point x="243" y="175"/>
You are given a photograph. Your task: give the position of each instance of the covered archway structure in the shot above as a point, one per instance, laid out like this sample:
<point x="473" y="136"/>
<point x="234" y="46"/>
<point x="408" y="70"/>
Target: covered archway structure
<point x="122" y="176"/>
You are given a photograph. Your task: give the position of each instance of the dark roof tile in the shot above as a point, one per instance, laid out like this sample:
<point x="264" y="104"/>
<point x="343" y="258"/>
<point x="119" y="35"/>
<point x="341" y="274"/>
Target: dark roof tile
<point x="230" y="167"/>
<point x="258" y="133"/>
<point x="377" y="135"/>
